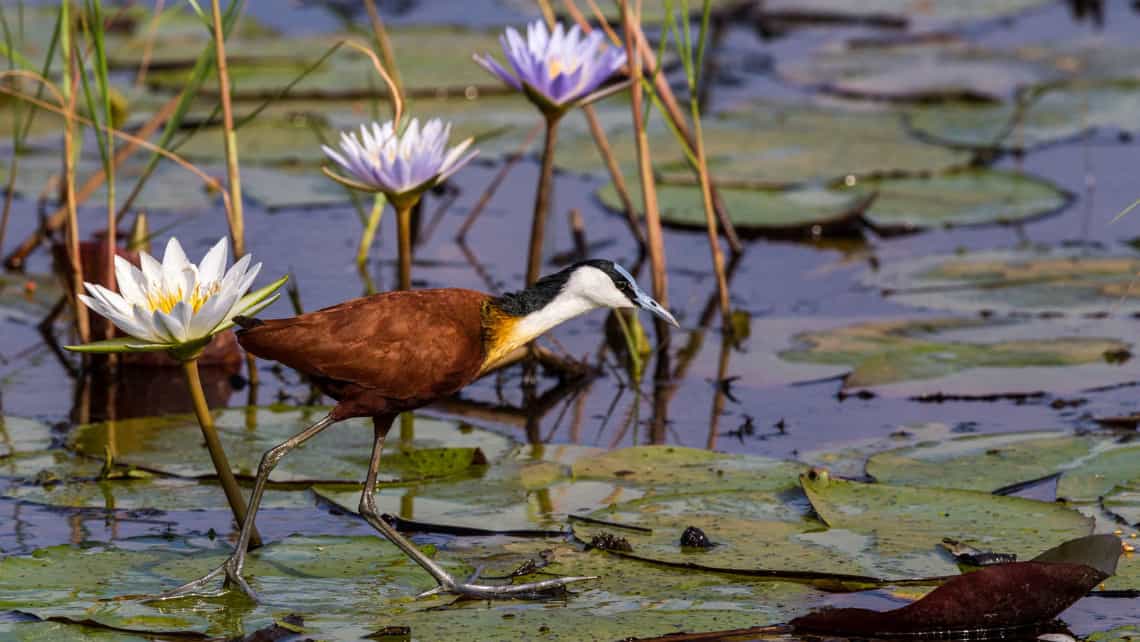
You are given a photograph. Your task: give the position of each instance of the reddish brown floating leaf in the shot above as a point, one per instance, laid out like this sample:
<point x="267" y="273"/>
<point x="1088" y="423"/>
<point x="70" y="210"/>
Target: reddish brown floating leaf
<point x="1002" y="596"/>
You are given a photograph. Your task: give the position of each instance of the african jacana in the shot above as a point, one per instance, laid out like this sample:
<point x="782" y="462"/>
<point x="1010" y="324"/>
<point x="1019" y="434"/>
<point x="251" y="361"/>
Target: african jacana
<point x="394" y="352"/>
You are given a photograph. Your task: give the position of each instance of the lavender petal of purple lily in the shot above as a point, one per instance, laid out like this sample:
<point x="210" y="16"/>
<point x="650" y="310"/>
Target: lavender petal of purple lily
<point x="399" y="164"/>
<point x="555" y="68"/>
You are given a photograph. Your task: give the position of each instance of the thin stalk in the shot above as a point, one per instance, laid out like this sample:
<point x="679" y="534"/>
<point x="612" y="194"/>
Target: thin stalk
<point x="107" y="149"/>
<point x="497" y="180"/>
<point x="702" y="161"/>
<point x="148" y="45"/>
<point x="542" y="200"/>
<point x="645" y="171"/>
<point x="370" y="228"/>
<point x="404" y="231"/>
<point x="386" y="50"/>
<point x="616" y="177"/>
<point x="71" y="90"/>
<point x="214" y="445"/>
<point x="233" y="173"/>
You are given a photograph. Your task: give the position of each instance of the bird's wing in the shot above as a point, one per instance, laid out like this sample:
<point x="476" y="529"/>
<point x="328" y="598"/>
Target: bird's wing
<point x="403" y="345"/>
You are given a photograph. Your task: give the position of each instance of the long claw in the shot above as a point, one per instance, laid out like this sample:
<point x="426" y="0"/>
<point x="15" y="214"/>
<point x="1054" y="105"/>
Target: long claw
<point x="533" y="590"/>
<point x="198" y="586"/>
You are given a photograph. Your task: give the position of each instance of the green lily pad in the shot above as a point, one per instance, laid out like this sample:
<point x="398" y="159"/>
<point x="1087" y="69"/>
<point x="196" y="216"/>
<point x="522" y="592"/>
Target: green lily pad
<point x="902" y="525"/>
<point x="1124" y="502"/>
<point x="339" y="455"/>
<point x="38" y="631"/>
<point x="153" y="493"/>
<point x="1042" y="115"/>
<point x="432" y="60"/>
<point x="278" y="189"/>
<point x="170" y="188"/>
<point x="752" y="532"/>
<point x="968" y="357"/>
<point x="18" y="435"/>
<point x="1006" y="458"/>
<point x="1126" y="633"/>
<point x="662" y="468"/>
<point x="918" y="15"/>
<point x="348" y="587"/>
<point x="972" y="197"/>
<point x="1101" y="474"/>
<point x="845" y="458"/>
<point x="753" y="210"/>
<point x="1008" y="281"/>
<point x="944" y="68"/>
<point x="772" y="144"/>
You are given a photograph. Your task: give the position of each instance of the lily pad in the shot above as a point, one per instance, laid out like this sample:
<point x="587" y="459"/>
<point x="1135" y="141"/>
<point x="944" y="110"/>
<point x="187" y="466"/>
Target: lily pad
<point x="903" y="524"/>
<point x="1015" y="281"/>
<point x="972" y="197"/>
<point x="777" y="144"/>
<point x="152" y="494"/>
<point x="170" y="188"/>
<point x="941" y="68"/>
<point x="969" y="358"/>
<point x="753" y="210"/>
<point x="349" y="587"/>
<point x="433" y="60"/>
<point x="1124" y="502"/>
<point x="1100" y="475"/>
<point x="1006" y="458"/>
<point x="1040" y="116"/>
<point x="662" y="468"/>
<point x="339" y="455"/>
<point x="917" y="15"/>
<point x="19" y="435"/>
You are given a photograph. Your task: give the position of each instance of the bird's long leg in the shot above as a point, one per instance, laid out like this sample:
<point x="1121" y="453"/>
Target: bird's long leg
<point x="447" y="583"/>
<point x="232" y="567"/>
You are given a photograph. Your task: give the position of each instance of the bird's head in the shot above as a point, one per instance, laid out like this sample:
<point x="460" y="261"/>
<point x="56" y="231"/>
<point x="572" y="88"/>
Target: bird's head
<point x="606" y="284"/>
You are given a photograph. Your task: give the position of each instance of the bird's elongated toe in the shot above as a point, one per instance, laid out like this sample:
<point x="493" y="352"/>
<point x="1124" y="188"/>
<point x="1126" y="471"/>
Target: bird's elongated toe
<point x="529" y="591"/>
<point x="232" y="578"/>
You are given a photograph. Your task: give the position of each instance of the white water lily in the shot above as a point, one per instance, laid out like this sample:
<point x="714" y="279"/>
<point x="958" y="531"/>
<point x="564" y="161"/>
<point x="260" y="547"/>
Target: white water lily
<point x="176" y="304"/>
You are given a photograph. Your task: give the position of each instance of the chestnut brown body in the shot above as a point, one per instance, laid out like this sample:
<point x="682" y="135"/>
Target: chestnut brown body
<point x="382" y="354"/>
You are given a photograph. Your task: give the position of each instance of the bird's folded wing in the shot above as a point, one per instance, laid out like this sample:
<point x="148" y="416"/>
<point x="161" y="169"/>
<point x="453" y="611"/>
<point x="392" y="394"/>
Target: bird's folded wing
<point x="402" y="344"/>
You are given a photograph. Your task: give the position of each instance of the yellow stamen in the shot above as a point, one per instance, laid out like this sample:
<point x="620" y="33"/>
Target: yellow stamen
<point x="166" y="301"/>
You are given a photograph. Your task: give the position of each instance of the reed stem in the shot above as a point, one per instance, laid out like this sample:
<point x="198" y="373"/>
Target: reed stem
<point x="214" y="446"/>
<point x="654" y="234"/>
<point x="82" y="321"/>
<point x="542" y="200"/>
<point x="233" y="174"/>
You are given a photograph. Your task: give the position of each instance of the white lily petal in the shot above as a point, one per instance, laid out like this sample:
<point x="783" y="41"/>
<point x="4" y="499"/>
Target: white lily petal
<point x="145" y="320"/>
<point x="152" y="272"/>
<point x="212" y="313"/>
<point x="114" y="302"/>
<point x="173" y="257"/>
<point x="171" y="326"/>
<point x="213" y="265"/>
<point x="130" y="281"/>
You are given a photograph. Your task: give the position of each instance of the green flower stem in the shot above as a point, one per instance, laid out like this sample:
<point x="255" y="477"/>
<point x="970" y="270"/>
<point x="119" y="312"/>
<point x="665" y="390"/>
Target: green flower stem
<point x="542" y="199"/>
<point x="214" y="445"/>
<point x="404" y="230"/>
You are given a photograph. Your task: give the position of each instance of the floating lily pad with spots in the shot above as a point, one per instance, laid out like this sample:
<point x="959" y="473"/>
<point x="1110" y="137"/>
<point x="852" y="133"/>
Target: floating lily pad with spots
<point x="777" y="212"/>
<point x="172" y="445"/>
<point x="777" y="144"/>
<point x="1041" y="115"/>
<point x="1006" y="458"/>
<point x="19" y="435"/>
<point x="1015" y="281"/>
<point x="971" y="358"/>
<point x="902" y="525"/>
<point x="972" y="197"/>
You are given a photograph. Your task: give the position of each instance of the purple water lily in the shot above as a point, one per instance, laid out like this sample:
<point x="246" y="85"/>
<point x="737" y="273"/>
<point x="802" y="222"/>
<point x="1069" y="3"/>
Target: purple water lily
<point x="399" y="164"/>
<point x="558" y="68"/>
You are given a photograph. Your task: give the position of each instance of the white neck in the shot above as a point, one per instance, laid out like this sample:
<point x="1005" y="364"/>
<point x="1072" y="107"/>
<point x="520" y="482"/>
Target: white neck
<point x="561" y="308"/>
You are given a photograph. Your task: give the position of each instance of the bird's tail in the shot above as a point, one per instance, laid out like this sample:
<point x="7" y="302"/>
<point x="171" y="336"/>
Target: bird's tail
<point x="245" y="323"/>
